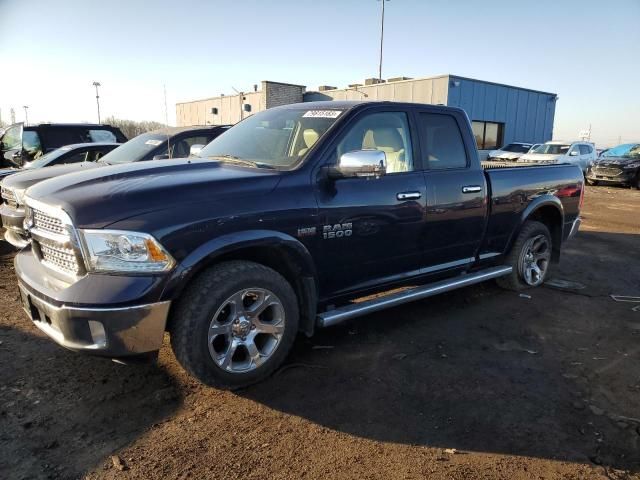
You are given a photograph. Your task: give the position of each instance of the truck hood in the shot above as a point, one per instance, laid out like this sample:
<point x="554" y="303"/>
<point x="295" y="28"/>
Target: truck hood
<point x="5" y="172"/>
<point x="99" y="197"/>
<point x="539" y="157"/>
<point x="23" y="179"/>
<point x="505" y="155"/>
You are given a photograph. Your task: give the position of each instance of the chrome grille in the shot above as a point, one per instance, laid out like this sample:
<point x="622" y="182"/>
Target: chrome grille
<point x="59" y="258"/>
<point x="48" y="223"/>
<point x="608" y="171"/>
<point x="9" y="197"/>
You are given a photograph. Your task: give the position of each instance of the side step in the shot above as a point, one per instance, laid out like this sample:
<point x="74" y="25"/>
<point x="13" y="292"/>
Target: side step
<point x="333" y="317"/>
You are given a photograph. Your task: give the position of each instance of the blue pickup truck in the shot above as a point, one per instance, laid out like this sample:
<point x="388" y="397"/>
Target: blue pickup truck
<point x="280" y="226"/>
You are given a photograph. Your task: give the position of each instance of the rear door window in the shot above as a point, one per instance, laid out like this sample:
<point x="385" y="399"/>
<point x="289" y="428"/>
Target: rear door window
<point x="101" y="136"/>
<point x="441" y="142"/>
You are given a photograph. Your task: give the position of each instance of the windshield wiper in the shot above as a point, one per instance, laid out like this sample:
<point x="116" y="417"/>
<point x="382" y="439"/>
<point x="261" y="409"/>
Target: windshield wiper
<point x="232" y="159"/>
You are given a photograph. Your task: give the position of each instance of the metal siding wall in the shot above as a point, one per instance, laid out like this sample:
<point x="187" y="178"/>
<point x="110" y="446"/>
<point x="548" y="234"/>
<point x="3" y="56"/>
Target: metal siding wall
<point x="527" y="115"/>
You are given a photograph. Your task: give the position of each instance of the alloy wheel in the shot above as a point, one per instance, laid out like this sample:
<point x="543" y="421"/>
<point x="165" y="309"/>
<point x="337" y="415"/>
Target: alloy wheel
<point x="246" y="330"/>
<point x="534" y="260"/>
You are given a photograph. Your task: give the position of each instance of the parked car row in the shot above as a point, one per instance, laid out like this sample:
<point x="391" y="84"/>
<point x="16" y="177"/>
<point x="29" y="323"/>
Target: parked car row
<point x="20" y="144"/>
<point x="582" y="154"/>
<point x="285" y="223"/>
<point x="618" y="165"/>
<point x="157" y="145"/>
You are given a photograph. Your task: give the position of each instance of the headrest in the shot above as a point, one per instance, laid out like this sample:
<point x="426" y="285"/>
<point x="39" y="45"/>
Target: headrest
<point x="388" y="137"/>
<point x="310" y="137"/>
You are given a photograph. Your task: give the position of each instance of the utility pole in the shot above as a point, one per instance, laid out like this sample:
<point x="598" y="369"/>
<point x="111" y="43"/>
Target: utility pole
<point x="26" y="115"/>
<point x="97" y="84"/>
<point x="381" y="39"/>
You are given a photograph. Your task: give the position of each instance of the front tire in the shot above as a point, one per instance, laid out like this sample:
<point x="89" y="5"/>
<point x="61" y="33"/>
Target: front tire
<point x="530" y="258"/>
<point x="235" y="324"/>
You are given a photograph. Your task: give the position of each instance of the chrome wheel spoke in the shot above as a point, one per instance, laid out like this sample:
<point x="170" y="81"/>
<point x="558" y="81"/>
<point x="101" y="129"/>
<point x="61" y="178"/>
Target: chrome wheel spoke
<point x="227" y="357"/>
<point x="237" y="301"/>
<point x="256" y="357"/>
<point x="269" y="328"/>
<point x="263" y="302"/>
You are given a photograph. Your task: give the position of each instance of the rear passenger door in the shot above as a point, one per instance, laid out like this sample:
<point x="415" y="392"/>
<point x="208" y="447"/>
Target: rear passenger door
<point x="587" y="156"/>
<point x="456" y="192"/>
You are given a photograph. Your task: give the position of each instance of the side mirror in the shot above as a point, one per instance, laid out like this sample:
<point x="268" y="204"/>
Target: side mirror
<point x="161" y="157"/>
<point x="195" y="149"/>
<point x="573" y="153"/>
<point x="360" y="163"/>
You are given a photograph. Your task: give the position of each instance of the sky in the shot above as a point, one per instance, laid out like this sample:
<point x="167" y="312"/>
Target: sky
<point x="586" y="51"/>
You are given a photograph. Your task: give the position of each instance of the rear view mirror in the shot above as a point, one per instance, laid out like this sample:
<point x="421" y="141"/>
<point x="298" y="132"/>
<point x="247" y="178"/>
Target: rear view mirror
<point x="360" y="163"/>
<point x="195" y="149"/>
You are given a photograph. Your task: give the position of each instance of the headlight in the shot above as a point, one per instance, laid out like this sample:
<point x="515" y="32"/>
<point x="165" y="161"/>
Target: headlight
<point x="124" y="251"/>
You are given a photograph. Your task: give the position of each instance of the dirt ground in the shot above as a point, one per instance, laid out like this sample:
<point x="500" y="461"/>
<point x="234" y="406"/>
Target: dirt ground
<point x="478" y="383"/>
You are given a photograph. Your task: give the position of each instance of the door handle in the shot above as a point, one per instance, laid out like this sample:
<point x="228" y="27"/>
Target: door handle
<point x="471" y="189"/>
<point x="408" y="195"/>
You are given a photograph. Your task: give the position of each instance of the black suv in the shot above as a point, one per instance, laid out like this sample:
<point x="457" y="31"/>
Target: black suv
<point x="20" y="144"/>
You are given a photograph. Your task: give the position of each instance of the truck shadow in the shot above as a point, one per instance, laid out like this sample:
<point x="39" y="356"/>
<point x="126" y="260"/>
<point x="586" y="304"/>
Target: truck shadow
<point x="484" y="370"/>
<point x="61" y="412"/>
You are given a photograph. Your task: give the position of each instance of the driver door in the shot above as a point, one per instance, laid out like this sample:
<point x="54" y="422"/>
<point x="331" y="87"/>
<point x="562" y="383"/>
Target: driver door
<point x="371" y="228"/>
<point x="12" y="145"/>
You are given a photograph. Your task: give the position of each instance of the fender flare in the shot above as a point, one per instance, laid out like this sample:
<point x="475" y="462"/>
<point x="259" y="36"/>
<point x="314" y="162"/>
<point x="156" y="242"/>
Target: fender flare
<point x="536" y="204"/>
<point x="207" y="253"/>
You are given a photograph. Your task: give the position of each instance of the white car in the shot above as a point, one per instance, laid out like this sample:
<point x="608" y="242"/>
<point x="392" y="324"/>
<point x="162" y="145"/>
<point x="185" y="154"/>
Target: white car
<point x="582" y="154"/>
<point x="512" y="151"/>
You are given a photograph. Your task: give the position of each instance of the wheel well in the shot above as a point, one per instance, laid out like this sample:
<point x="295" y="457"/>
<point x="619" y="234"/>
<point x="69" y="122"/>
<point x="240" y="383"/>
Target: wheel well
<point x="285" y="263"/>
<point x="552" y="218"/>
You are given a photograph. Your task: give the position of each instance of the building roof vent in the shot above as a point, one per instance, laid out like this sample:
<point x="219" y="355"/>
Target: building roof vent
<point x="373" y="81"/>
<point x="398" y="79"/>
<point x="323" y="88"/>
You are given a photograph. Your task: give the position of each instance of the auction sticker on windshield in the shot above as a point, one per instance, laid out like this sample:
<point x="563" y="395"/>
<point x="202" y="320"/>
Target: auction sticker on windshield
<point x="323" y="113"/>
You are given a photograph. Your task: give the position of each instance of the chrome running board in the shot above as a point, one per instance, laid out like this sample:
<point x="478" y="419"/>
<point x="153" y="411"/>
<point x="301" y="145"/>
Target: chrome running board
<point x="333" y="317"/>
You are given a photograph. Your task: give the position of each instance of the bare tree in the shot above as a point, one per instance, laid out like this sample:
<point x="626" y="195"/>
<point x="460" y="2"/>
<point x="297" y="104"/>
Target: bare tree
<point x="131" y="128"/>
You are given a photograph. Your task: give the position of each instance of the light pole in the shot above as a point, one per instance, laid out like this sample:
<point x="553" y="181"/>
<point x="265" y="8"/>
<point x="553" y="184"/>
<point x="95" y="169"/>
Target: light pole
<point x="381" y="39"/>
<point x="26" y="114"/>
<point x="97" y="84"/>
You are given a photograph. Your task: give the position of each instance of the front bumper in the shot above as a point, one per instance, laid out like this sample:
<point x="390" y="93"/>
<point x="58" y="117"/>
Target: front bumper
<point x="13" y="222"/>
<point x="89" y="315"/>
<point x="624" y="177"/>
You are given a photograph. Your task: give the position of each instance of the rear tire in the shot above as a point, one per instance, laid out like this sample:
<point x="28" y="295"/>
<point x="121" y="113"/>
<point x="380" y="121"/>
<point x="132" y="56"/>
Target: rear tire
<point x="235" y="324"/>
<point x="530" y="258"/>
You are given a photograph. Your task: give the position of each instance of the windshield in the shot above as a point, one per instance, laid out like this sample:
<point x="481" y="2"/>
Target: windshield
<point x="627" y="150"/>
<point x="136" y="149"/>
<point x="44" y="160"/>
<point x="277" y="138"/>
<point x="516" y="147"/>
<point x="552" y="148"/>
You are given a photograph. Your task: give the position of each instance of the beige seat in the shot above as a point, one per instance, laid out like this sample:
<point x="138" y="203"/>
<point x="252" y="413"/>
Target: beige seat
<point x="310" y="137"/>
<point x="389" y="141"/>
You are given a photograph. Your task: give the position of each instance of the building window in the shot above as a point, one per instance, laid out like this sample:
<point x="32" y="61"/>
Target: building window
<point x="488" y="135"/>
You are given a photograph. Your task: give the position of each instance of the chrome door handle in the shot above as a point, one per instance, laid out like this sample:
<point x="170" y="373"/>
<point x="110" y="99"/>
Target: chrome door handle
<point x="471" y="189"/>
<point x="408" y="195"/>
